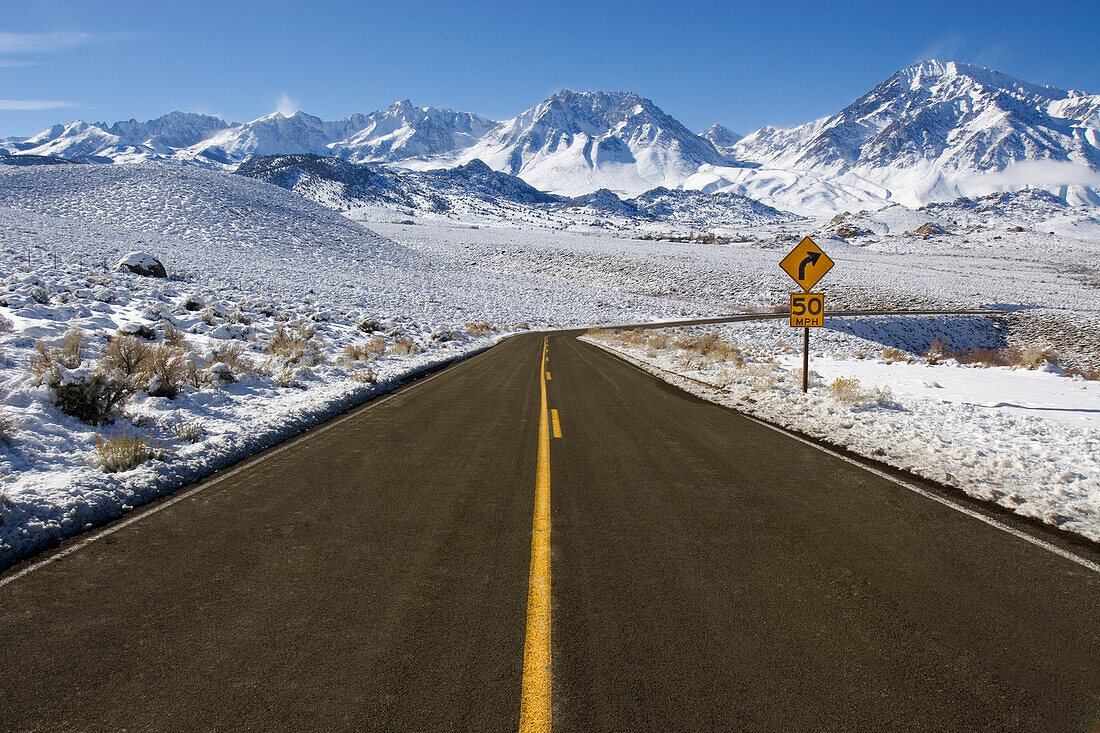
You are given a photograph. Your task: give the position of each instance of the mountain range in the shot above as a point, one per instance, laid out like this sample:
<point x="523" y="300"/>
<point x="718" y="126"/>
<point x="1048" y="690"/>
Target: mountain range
<point x="931" y="132"/>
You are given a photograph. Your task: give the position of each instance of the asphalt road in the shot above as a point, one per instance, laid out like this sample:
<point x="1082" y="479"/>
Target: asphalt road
<point x="708" y="574"/>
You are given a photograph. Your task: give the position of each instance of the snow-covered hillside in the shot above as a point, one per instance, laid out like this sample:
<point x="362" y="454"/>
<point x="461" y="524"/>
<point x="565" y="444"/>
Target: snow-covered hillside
<point x="475" y="192"/>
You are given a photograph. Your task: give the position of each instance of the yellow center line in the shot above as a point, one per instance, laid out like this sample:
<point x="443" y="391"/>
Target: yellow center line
<point x="555" y="423"/>
<point x="534" y="714"/>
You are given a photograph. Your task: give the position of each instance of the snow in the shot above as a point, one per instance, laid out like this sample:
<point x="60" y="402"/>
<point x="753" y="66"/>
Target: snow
<point x="1028" y="440"/>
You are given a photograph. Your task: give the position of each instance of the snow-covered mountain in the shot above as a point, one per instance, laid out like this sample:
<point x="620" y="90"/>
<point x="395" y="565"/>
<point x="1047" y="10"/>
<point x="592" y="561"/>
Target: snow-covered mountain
<point x="932" y="132"/>
<point x="406" y="131"/>
<point x="721" y="137"/>
<point x="129" y="141"/>
<point x="935" y="130"/>
<point x="577" y="142"/>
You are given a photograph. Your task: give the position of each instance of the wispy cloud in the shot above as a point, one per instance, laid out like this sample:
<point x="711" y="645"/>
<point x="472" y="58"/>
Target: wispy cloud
<point x="286" y="106"/>
<point x="1041" y="173"/>
<point x="32" y="105"/>
<point x="13" y="43"/>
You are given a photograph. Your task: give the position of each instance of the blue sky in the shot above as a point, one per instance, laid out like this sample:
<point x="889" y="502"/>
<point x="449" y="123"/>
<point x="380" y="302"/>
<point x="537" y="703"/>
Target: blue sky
<point x="742" y="64"/>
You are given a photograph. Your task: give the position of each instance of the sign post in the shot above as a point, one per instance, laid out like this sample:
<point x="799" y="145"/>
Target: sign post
<point x="806" y="264"/>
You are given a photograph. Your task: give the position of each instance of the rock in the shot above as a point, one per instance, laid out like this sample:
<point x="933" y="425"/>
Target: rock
<point x="928" y="229"/>
<point x="848" y="231"/>
<point x="142" y="263"/>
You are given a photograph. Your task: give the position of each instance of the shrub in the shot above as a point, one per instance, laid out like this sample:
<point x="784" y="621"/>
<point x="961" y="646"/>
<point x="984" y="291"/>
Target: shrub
<point x="165" y="371"/>
<point x="7" y="429"/>
<point x="6" y="326"/>
<point x="71" y="353"/>
<point x="368" y="325"/>
<point x="188" y="432"/>
<point x="938" y="351"/>
<point x="849" y="391"/>
<point x="1034" y="356"/>
<point x="404" y="346"/>
<point x="92" y="397"/>
<point x="366" y="376"/>
<point x="126" y="355"/>
<point x="123" y="451"/>
<point x="293" y="344"/>
<point x="174" y="337"/>
<point x="891" y="355"/>
<point x="229" y="364"/>
<point x="358" y="352"/>
<point x="479" y="329"/>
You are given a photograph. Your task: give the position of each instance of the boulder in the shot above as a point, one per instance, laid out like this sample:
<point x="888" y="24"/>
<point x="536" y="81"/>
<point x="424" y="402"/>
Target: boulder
<point x="928" y="229"/>
<point x="142" y="263"/>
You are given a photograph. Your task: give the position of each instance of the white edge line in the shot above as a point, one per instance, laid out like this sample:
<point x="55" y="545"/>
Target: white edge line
<point x="1048" y="546"/>
<point x="249" y="463"/>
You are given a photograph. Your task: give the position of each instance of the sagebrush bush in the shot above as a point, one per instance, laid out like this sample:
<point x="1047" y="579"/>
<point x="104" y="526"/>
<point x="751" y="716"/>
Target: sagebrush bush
<point x="165" y="372"/>
<point x="891" y="355"/>
<point x="174" y="337"/>
<point x="366" y="376"/>
<point x="479" y="329"/>
<point x="849" y="391"/>
<point x="403" y="346"/>
<point x="1034" y="356"/>
<point x="368" y="325"/>
<point x="126" y="355"/>
<point x="123" y="451"/>
<point x="7" y="429"/>
<point x="92" y="397"/>
<point x="294" y="344"/>
<point x="6" y="326"/>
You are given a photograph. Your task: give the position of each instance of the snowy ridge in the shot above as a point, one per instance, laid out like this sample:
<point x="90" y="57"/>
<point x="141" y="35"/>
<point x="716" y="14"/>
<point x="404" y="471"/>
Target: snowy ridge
<point x="475" y="191"/>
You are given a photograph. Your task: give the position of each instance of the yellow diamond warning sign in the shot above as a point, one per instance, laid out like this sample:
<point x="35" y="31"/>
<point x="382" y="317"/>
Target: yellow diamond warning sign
<point x="806" y="263"/>
<point x="807" y="310"/>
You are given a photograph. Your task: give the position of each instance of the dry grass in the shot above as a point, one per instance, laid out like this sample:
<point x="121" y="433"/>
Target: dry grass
<point x="365" y="376"/>
<point x="404" y="346"/>
<point x="1031" y="357"/>
<point x="122" y="451"/>
<point x="479" y="329"/>
<point x="849" y="391"/>
<point x="189" y="432"/>
<point x="368" y="351"/>
<point x="1034" y="357"/>
<point x="891" y="355"/>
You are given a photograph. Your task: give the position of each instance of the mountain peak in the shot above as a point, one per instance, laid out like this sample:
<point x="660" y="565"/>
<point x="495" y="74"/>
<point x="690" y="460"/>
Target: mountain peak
<point x="720" y="136"/>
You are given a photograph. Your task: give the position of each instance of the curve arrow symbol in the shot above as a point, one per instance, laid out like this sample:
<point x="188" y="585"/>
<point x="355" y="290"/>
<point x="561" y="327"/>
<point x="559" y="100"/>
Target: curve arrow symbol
<point x="810" y="259"/>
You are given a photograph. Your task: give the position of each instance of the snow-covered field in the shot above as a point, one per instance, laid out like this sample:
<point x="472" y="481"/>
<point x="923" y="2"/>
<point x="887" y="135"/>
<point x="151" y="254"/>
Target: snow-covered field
<point x="248" y="261"/>
<point x="1027" y="439"/>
